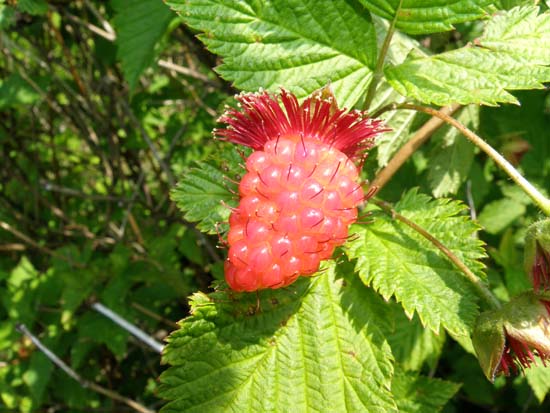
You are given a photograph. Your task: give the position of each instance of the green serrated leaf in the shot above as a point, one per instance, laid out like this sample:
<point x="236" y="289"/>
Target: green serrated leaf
<point x="484" y="72"/>
<point x="510" y="4"/>
<point x="397" y="261"/>
<point x="452" y="158"/>
<point x="466" y="75"/>
<point x="422" y="17"/>
<point x="204" y="195"/>
<point x="314" y="347"/>
<point x="140" y="24"/>
<point x="418" y="394"/>
<point x="297" y="44"/>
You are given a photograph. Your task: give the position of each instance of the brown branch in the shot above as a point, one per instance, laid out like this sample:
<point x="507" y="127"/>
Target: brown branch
<point x="13" y="247"/>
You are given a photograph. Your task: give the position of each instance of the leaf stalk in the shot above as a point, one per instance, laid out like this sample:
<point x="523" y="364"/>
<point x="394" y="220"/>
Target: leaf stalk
<point x="379" y="69"/>
<point x="482" y="290"/>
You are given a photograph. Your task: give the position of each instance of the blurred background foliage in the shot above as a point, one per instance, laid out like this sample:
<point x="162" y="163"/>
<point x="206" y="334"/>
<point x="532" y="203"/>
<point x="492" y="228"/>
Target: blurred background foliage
<point x="103" y="107"/>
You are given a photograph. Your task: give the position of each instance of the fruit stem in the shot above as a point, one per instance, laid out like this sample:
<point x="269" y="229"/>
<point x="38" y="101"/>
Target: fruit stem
<point x="378" y="71"/>
<point x="482" y="290"/>
<point x="539" y="199"/>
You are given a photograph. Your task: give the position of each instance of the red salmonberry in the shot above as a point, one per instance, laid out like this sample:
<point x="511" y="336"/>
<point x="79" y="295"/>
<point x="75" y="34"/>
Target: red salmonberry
<point x="300" y="192"/>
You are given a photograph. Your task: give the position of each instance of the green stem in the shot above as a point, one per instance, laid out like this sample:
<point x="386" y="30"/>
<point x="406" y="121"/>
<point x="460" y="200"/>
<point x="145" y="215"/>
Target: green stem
<point x="378" y="71"/>
<point x="539" y="199"/>
<point x="482" y="290"/>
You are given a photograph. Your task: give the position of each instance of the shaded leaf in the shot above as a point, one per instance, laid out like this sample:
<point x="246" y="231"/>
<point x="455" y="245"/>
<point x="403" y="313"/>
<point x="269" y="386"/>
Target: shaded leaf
<point x="34" y="7"/>
<point x="99" y="329"/>
<point x="400" y="122"/>
<point x="18" y="299"/>
<point x="530" y="121"/>
<point x="418" y="394"/>
<point x="140" y="24"/>
<point x="413" y="345"/>
<point x="452" y="158"/>
<point x="510" y="258"/>
<point x="7" y="16"/>
<point x="538" y="378"/>
<point x="497" y="215"/>
<point x="16" y="91"/>
<point x="37" y="376"/>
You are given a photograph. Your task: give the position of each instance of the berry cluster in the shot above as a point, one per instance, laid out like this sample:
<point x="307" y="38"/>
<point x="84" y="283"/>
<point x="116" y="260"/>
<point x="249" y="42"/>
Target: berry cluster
<point x="300" y="192"/>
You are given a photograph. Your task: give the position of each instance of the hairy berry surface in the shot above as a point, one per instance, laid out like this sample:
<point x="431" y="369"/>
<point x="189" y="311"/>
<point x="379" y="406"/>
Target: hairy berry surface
<point x="300" y="192"/>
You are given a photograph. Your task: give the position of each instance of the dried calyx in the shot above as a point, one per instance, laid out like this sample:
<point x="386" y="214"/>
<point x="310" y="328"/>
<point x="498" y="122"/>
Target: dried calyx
<point x="514" y="337"/>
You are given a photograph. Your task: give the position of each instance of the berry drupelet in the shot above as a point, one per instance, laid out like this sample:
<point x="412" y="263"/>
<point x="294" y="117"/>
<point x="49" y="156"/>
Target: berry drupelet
<point x="300" y="192"/>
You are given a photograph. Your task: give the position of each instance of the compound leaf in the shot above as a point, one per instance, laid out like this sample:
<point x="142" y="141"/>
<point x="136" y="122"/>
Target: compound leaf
<point x="316" y="346"/>
<point x="485" y="71"/>
<point x="399" y="262"/>
<point x="297" y="44"/>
